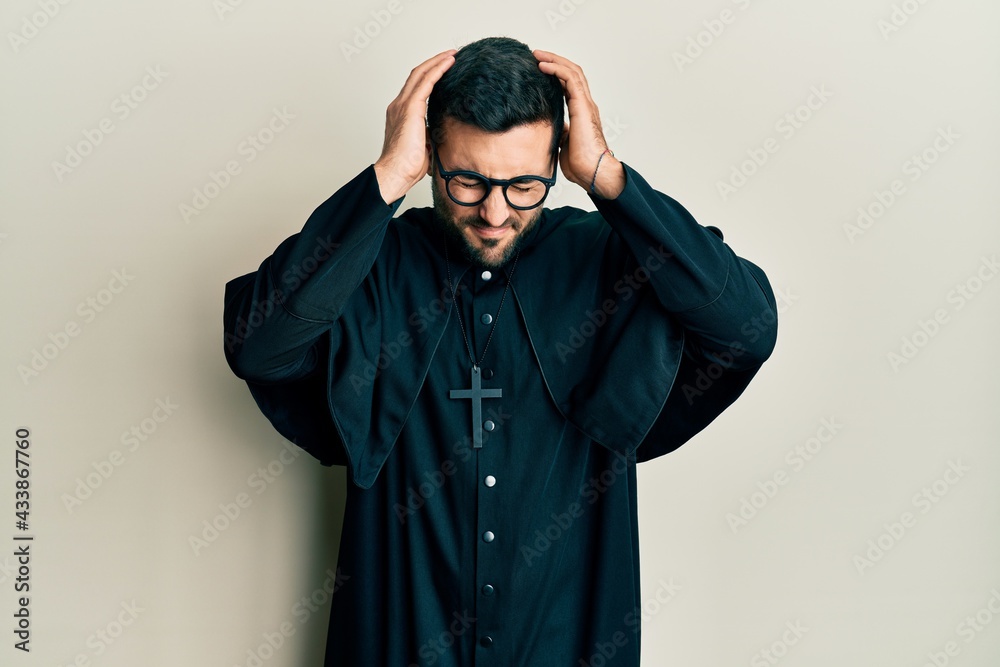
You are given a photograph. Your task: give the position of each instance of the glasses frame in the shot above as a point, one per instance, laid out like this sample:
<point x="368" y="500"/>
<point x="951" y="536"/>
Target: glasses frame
<point x="503" y="183"/>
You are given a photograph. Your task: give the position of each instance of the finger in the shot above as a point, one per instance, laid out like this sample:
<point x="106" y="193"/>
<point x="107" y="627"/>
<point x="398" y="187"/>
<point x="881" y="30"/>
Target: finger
<point x="430" y="70"/>
<point x="423" y="77"/>
<point x="548" y="56"/>
<point x="572" y="78"/>
<point x="555" y="59"/>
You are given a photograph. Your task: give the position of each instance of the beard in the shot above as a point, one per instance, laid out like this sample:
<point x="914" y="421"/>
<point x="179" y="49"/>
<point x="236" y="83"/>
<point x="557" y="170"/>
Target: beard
<point x="491" y="253"/>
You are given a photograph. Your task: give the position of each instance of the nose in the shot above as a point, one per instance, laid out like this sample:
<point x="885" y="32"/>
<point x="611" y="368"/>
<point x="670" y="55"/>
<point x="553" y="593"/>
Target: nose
<point x="494" y="209"/>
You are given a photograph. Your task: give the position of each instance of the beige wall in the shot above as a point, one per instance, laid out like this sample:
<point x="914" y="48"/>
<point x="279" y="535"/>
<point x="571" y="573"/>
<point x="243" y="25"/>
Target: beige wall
<point x="164" y="94"/>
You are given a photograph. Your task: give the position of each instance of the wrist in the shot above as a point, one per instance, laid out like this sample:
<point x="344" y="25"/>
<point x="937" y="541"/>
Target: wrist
<point x="390" y="186"/>
<point x="608" y="180"/>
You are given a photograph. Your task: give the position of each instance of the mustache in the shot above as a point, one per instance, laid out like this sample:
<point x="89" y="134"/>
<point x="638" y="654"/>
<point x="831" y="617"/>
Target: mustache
<point x="477" y="221"/>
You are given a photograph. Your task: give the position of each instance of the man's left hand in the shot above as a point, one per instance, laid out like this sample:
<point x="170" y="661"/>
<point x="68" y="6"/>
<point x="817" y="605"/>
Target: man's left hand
<point x="583" y="140"/>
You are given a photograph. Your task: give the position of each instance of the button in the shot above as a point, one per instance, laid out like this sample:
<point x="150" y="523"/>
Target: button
<point x="487" y="590"/>
<point x="489" y="425"/>
<point x="487" y="275"/>
<point x="487" y="373"/>
<point x="490" y="481"/>
<point x="488" y="536"/>
<point x="486" y="318"/>
<point x="486" y="641"/>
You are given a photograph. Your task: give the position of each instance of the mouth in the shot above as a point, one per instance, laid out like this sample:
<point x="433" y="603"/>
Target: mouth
<point x="490" y="232"/>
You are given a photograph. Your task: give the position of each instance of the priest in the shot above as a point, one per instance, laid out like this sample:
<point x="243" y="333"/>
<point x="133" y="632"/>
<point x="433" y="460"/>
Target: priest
<point x="491" y="371"/>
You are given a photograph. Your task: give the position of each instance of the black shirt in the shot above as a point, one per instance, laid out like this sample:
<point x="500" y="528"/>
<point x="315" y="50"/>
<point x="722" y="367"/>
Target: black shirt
<point x="624" y="332"/>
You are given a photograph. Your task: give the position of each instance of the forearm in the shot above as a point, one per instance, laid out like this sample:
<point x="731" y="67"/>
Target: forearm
<point x="722" y="299"/>
<point x="274" y="316"/>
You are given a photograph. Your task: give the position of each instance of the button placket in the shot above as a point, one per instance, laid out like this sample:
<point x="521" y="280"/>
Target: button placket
<point x="489" y="286"/>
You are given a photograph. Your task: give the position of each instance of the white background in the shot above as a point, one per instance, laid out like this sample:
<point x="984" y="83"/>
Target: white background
<point x="848" y="302"/>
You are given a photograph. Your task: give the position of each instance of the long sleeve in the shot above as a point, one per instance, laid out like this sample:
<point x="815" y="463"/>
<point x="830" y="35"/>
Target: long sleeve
<point x="273" y="317"/>
<point x="725" y="301"/>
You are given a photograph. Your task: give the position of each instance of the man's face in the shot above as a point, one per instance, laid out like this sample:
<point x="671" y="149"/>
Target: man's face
<point x="490" y="231"/>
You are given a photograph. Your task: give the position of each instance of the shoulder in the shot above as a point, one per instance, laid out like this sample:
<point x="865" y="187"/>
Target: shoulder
<point x="411" y="234"/>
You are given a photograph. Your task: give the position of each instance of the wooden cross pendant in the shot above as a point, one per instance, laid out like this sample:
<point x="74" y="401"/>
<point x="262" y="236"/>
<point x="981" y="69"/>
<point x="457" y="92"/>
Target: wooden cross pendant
<point x="477" y="394"/>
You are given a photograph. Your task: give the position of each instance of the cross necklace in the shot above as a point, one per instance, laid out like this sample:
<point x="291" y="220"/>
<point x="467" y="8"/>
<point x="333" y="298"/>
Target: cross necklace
<point x="476" y="393"/>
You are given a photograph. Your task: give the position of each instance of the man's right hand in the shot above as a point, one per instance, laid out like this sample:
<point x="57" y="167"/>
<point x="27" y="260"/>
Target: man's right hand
<point x="405" y="155"/>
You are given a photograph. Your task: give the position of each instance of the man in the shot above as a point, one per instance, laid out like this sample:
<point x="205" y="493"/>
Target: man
<point x="490" y="372"/>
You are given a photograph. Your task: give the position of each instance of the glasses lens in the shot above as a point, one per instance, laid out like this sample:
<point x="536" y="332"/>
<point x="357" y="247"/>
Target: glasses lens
<point x="526" y="192"/>
<point x="468" y="189"/>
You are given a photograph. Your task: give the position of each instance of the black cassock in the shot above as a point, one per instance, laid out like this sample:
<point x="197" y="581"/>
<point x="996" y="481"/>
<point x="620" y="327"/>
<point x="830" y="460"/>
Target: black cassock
<point x="624" y="332"/>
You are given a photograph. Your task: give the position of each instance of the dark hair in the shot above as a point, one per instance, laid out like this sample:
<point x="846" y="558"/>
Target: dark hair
<point x="495" y="85"/>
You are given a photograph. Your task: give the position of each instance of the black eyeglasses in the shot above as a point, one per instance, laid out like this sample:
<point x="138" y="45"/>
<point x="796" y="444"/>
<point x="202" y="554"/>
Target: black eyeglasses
<point x="468" y="188"/>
